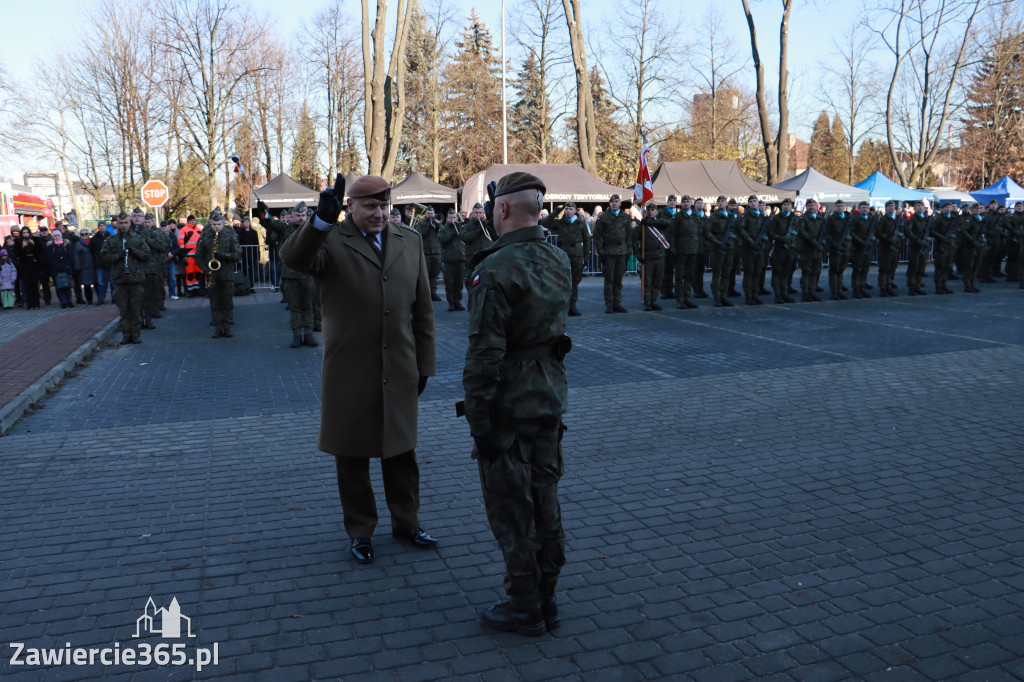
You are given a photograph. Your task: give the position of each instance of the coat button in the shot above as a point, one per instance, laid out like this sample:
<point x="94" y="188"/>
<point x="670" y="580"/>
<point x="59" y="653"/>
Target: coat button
<point x="387" y="312"/>
<point x="385" y="346"/>
<point x="385" y="278"/>
<point x="385" y="382"/>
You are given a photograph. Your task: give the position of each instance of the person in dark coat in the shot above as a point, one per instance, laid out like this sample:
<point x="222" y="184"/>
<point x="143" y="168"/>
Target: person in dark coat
<point x="28" y="254"/>
<point x="102" y="271"/>
<point x="61" y="268"/>
<point x="84" y="263"/>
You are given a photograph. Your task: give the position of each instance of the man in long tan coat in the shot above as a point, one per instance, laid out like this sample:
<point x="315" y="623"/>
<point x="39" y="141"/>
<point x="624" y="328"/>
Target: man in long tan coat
<point x="378" y="340"/>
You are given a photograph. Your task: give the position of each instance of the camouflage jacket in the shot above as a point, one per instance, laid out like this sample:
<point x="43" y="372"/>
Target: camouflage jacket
<point x="227" y="246"/>
<point x="835" y="225"/>
<point x="783" y="230"/>
<point x="573" y="236"/>
<point x="518" y="308"/>
<point x="888" y="236"/>
<point x="860" y="232"/>
<point x="686" y="234"/>
<point x="112" y="255"/>
<point x="917" y="225"/>
<point x="944" y="233"/>
<point x="429" y="230"/>
<point x="646" y="244"/>
<point x="807" y="233"/>
<point x="723" y="224"/>
<point x="277" y="232"/>
<point x="748" y="227"/>
<point x="611" y="234"/>
<point x="452" y="246"/>
<point x="476" y="236"/>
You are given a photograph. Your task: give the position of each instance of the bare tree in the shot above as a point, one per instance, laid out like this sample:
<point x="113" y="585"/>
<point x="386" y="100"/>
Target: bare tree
<point x="930" y="42"/>
<point x="852" y="91"/>
<point x="586" y="125"/>
<point x="384" y="86"/>
<point x="776" y="144"/>
<point x="211" y="59"/>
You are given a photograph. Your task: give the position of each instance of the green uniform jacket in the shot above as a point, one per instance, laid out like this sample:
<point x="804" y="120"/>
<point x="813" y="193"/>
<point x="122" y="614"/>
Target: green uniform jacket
<point x="573" y="236"/>
<point x="834" y="231"/>
<point x="158" y="245"/>
<point x="611" y="234"/>
<point x="476" y="236"/>
<point x="686" y="234"/>
<point x="783" y="230"/>
<point x="971" y="233"/>
<point x="451" y="244"/>
<point x="227" y="245"/>
<point x="718" y="225"/>
<point x="518" y="306"/>
<point x="859" y="232"/>
<point x="278" y="232"/>
<point x="651" y="247"/>
<point x="807" y="232"/>
<point x="943" y="233"/>
<point x="112" y="255"/>
<point x="888" y="236"/>
<point x="916" y="227"/>
<point x="748" y="227"/>
<point x="429" y="230"/>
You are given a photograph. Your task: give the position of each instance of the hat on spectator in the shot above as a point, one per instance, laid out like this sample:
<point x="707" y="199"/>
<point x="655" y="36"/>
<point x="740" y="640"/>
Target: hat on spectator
<point x="370" y="187"/>
<point x="3" y="252"/>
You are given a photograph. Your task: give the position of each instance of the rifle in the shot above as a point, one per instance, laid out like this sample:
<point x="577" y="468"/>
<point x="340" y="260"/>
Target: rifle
<point x="898" y="236"/>
<point x="764" y="229"/>
<point x="819" y="243"/>
<point x="728" y="236"/>
<point x="844" y="235"/>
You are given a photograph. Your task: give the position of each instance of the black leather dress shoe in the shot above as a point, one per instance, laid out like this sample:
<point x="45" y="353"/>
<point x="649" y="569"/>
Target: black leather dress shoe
<point x="362" y="550"/>
<point x="503" y="618"/>
<point x="417" y="537"/>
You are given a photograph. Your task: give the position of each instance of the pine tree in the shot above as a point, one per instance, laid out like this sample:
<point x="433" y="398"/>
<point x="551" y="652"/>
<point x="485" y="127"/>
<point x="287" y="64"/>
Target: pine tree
<point x="530" y="139"/>
<point x="821" y="141"/>
<point x="304" y="152"/>
<point x="424" y="59"/>
<point x="872" y="155"/>
<point x="838" y="156"/>
<point x="616" y="158"/>
<point x="472" y="105"/>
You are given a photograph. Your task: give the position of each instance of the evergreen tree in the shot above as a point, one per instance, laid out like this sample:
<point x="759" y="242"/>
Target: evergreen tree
<point x="424" y="58"/>
<point x="304" y="152"/>
<point x="530" y="138"/>
<point x="616" y="158"/>
<point x="820" y="144"/>
<point x="838" y="155"/>
<point x="472" y="105"/>
<point x="872" y="155"/>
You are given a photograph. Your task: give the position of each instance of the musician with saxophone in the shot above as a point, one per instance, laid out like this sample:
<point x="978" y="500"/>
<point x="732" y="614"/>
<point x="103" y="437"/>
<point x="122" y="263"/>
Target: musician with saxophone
<point x="217" y="253"/>
<point x="126" y="254"/>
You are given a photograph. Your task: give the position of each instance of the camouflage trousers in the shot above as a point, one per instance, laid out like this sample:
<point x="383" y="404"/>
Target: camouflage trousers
<point x="810" y="272"/>
<point x="520" y="490"/>
<point x="576" y="265"/>
<point x="222" y="301"/>
<point x="721" y="271"/>
<point x="783" y="267"/>
<point x="686" y="264"/>
<point x="653" y="271"/>
<point x="888" y="259"/>
<point x="916" y="261"/>
<point x="299" y="294"/>
<point x="613" y="268"/>
<point x="860" y="264"/>
<point x="836" y="266"/>
<point x="152" y="301"/>
<point x="433" y="270"/>
<point x="129" y="304"/>
<point x="454" y="276"/>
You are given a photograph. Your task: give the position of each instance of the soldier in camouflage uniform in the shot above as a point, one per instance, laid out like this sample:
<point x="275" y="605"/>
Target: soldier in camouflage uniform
<point x="158" y="244"/>
<point x="748" y="228"/>
<point x="222" y="245"/>
<point x="919" y="244"/>
<point x="991" y="257"/>
<point x="454" y="251"/>
<point x="722" y="236"/>
<point x="429" y="228"/>
<point x="783" y="234"/>
<point x="685" y="241"/>
<point x="837" y="236"/>
<point x="863" y="248"/>
<point x="944" y="230"/>
<point x="611" y="242"/>
<point x="126" y="253"/>
<point x="890" y="241"/>
<point x="1012" y="241"/>
<point x="574" y="239"/>
<point x="296" y="286"/>
<point x="1018" y="232"/>
<point x="971" y="248"/>
<point x="810" y="248"/>
<point x="650" y="248"/>
<point x="477" y="234"/>
<point x="516" y="392"/>
<point x="668" y="213"/>
<point x="149" y="283"/>
<point x="701" y="262"/>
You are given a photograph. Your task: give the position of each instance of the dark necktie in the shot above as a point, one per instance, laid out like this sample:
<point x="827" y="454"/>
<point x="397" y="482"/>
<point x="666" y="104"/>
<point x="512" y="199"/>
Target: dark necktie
<point x="371" y="239"/>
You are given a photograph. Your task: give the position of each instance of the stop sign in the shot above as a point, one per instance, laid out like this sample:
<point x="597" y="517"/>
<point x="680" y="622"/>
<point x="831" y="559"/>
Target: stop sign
<point x="154" y="193"/>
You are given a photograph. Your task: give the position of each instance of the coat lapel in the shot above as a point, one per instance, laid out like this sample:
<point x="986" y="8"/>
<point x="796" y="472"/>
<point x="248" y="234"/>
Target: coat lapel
<point x="395" y="243"/>
<point x="353" y="239"/>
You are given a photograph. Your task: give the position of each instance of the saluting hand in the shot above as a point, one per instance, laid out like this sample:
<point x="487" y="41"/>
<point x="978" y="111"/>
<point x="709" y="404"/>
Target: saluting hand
<point x="329" y="207"/>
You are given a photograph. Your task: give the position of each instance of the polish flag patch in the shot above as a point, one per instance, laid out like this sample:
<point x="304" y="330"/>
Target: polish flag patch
<point x="476" y="279"/>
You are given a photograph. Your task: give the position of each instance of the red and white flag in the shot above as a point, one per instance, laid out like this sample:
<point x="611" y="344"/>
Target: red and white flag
<point x="644" y="189"/>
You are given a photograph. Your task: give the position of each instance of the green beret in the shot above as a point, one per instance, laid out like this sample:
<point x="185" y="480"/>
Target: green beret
<point x="517" y="182"/>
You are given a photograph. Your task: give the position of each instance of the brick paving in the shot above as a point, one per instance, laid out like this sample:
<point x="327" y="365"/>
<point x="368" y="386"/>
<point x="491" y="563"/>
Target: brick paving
<point x="824" y="491"/>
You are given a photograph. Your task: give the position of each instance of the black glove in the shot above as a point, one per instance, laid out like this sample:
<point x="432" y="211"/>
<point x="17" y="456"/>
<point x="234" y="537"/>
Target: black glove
<point x="641" y="261"/>
<point x="218" y="255"/>
<point x="487" y="446"/>
<point x="262" y="210"/>
<point x="489" y="206"/>
<point x="330" y="205"/>
<point x="422" y="386"/>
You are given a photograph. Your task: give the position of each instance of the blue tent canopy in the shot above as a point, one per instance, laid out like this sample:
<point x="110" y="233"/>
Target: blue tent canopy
<point x="882" y="189"/>
<point x="1006" y="192"/>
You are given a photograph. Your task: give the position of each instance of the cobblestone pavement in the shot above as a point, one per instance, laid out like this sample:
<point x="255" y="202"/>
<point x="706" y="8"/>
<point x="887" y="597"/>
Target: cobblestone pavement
<point x="825" y="491"/>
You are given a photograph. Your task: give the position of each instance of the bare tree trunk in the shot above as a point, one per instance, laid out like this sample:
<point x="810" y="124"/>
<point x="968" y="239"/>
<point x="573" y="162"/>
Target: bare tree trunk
<point x="776" y="147"/>
<point x="586" y="126"/>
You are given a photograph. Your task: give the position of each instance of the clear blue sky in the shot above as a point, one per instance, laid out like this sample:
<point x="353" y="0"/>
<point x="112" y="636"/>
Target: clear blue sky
<point x="812" y="28"/>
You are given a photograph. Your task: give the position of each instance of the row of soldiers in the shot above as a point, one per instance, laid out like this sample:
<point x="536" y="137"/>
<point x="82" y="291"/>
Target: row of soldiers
<point x="674" y="243"/>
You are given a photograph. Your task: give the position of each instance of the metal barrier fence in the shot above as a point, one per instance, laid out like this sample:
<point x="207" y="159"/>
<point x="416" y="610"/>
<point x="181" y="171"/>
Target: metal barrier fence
<point x="261" y="265"/>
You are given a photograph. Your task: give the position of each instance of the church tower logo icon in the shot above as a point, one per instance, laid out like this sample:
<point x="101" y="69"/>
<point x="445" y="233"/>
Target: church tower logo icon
<point x="166" y="622"/>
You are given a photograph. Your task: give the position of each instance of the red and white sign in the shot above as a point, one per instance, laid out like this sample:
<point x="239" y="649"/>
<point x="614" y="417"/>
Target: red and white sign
<point x="154" y="193"/>
<point x="643" y="191"/>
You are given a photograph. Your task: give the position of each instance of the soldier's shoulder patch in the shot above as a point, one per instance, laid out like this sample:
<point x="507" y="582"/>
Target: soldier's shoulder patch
<point x="476" y="280"/>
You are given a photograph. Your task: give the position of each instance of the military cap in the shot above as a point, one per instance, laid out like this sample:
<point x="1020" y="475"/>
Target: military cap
<point x="150" y="216"/>
<point x="215" y="214"/>
<point x="752" y="197"/>
<point x="686" y="197"/>
<point x="614" y="197"/>
<point x="517" y="182"/>
<point x="451" y="211"/>
<point x="122" y="215"/>
<point x="570" y="204"/>
<point x="672" y="197"/>
<point x="370" y="187"/>
<point x="300" y="207"/>
<point x="651" y="206"/>
<point x="478" y="205"/>
<point x="721" y="197"/>
<point x="137" y="210"/>
<point x="396" y="211"/>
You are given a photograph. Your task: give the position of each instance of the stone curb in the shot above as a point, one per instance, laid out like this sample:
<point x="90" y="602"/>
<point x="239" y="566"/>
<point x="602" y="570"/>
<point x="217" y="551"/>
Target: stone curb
<point x="13" y="410"/>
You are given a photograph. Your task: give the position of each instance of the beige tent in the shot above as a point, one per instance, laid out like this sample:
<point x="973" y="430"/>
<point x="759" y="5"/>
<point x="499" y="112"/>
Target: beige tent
<point x="565" y="182"/>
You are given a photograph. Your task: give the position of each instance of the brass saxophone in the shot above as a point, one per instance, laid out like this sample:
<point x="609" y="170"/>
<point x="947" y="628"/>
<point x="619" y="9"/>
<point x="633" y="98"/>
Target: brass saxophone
<point x="214" y="264"/>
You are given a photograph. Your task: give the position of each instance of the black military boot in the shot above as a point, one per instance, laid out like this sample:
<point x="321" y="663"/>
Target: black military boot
<point x="549" y="609"/>
<point x="125" y="339"/>
<point x="779" y="299"/>
<point x="863" y="293"/>
<point x="459" y="306"/>
<point x="503" y="618"/>
<point x="726" y="303"/>
<point x="136" y="338"/>
<point x="317" y="327"/>
<point x="451" y="307"/>
<point x="296" y="338"/>
<point x="307" y="338"/>
<point x="226" y="332"/>
<point x="608" y="310"/>
<point x="619" y="308"/>
<point x="434" y="296"/>
<point x="654" y="306"/>
<point x="217" y="333"/>
<point x="574" y="311"/>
